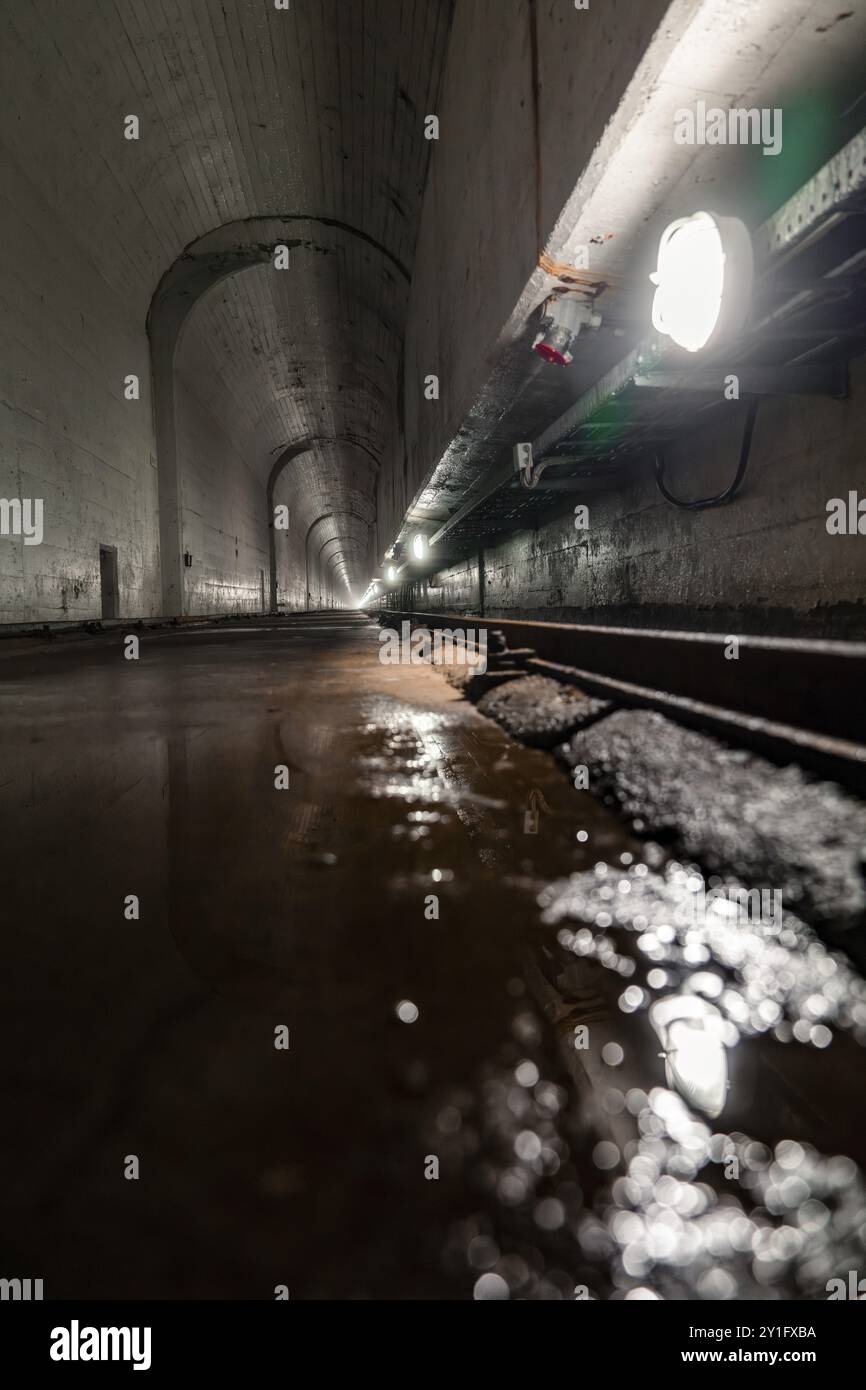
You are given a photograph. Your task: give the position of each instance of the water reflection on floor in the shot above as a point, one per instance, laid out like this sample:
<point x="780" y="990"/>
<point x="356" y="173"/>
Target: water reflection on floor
<point x="417" y="909"/>
<point x="727" y="1176"/>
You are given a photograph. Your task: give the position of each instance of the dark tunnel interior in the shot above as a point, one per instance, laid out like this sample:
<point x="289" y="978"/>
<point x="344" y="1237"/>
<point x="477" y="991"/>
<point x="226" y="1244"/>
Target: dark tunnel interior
<point x="432" y="655"/>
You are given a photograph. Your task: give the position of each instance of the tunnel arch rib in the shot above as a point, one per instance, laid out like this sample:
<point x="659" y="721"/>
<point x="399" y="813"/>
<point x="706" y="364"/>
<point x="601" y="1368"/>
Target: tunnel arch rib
<point x="304" y="446"/>
<point x="325" y="516"/>
<point x="218" y="254"/>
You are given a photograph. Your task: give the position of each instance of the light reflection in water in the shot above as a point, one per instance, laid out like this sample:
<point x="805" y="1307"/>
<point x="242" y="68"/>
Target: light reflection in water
<point x="769" y="976"/>
<point x="662" y="1206"/>
<point x="559" y="1208"/>
<point x="691" y="1032"/>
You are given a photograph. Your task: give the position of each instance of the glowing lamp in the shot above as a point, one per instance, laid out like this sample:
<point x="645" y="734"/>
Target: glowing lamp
<point x="703" y="280"/>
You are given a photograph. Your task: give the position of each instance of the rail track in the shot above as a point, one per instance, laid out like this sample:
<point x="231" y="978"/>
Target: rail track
<point x="789" y="699"/>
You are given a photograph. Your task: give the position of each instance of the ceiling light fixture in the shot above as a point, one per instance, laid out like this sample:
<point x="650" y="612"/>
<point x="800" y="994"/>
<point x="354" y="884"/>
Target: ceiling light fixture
<point x="703" y="280"/>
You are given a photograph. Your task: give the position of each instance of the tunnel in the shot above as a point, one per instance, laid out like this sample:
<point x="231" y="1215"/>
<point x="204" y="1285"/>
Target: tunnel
<point x="432" y="646"/>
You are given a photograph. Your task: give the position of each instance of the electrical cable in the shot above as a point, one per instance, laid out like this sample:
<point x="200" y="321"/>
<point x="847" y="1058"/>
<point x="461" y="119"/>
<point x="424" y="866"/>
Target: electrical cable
<point x="733" y="487"/>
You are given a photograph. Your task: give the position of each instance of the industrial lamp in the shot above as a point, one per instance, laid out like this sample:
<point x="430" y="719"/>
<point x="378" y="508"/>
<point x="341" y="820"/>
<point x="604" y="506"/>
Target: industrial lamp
<point x="703" y="280"/>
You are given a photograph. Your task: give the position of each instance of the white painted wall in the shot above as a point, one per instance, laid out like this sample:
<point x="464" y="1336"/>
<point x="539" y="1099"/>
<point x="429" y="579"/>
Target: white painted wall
<point x="66" y="433"/>
<point x="290" y="550"/>
<point x="224" y="514"/>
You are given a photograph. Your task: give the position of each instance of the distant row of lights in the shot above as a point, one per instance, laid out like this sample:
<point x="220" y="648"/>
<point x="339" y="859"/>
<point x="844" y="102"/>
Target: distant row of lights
<point x="420" y="550"/>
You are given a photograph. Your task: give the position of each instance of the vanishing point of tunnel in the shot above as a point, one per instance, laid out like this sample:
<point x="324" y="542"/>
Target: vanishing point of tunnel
<point x="432" y="660"/>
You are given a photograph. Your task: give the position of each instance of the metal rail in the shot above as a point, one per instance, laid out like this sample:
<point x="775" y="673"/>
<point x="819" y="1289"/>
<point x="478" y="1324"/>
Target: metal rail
<point x="790" y="698"/>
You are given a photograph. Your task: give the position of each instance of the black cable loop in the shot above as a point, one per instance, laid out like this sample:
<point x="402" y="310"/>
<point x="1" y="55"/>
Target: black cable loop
<point x="733" y="487"/>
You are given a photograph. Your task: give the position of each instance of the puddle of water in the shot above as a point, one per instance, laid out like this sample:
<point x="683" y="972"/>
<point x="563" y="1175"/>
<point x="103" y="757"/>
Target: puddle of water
<point x="714" y="1065"/>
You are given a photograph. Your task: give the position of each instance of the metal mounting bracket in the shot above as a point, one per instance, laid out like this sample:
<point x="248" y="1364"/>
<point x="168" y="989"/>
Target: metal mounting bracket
<point x="524" y="466"/>
<point x="529" y="472"/>
<point x="814" y="378"/>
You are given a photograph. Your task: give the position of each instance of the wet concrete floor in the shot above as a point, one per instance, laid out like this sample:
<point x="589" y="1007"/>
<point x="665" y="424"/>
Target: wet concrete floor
<point x="259" y="908"/>
<point x="308" y="907"/>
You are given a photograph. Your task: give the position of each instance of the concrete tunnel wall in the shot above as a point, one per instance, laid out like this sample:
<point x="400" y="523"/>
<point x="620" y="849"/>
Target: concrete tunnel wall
<point x="641" y="560"/>
<point x="499" y="176"/>
<point x="92" y="222"/>
<point x="224" y="520"/>
<point x="227" y="97"/>
<point x="766" y="563"/>
<point x="69" y="436"/>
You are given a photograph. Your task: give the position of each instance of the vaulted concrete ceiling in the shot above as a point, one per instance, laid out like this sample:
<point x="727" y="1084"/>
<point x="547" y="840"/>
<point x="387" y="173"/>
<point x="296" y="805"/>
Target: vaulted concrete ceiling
<point x="248" y="112"/>
<point x="308" y="357"/>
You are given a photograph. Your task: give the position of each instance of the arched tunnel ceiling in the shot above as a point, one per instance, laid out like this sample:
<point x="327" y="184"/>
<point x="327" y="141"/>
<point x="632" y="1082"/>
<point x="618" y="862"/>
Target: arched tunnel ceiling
<point x="312" y="353"/>
<point x="314" y="350"/>
<point x="249" y="112"/>
<point x="245" y="111"/>
<point x="330" y="502"/>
